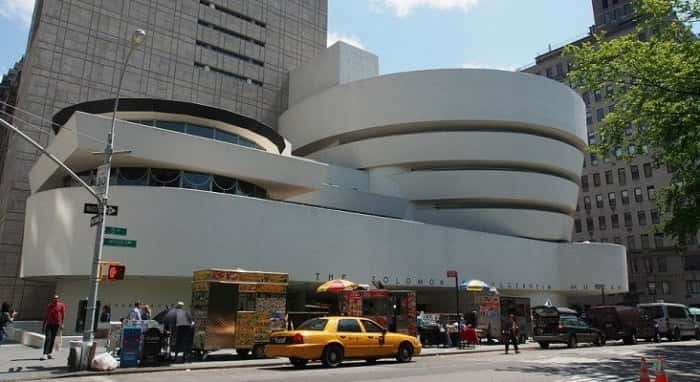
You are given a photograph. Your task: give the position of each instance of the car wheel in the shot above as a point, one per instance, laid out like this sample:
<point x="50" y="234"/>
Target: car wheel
<point x="259" y="351"/>
<point x="544" y="345"/>
<point x="332" y="356"/>
<point x="676" y="334"/>
<point x="599" y="340"/>
<point x="697" y="334"/>
<point x="298" y="362"/>
<point x="405" y="352"/>
<point x="243" y="353"/>
<point x="631" y="339"/>
<point x="572" y="343"/>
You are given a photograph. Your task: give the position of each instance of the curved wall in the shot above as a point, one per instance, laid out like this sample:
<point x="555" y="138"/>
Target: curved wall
<point x="501" y="150"/>
<point x="178" y="231"/>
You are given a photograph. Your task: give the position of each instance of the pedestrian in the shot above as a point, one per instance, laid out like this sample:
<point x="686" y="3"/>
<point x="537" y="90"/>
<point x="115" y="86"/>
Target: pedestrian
<point x="183" y="331"/>
<point x="146" y="313"/>
<point x="512" y="331"/>
<point x="53" y="325"/>
<point x="7" y="315"/>
<point x="106" y="315"/>
<point x="135" y="312"/>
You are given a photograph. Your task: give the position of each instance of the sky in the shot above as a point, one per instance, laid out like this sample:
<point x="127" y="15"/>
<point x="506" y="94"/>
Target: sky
<point x="410" y="34"/>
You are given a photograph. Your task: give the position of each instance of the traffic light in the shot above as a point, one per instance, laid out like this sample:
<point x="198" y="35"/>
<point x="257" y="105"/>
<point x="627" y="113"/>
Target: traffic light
<point x="116" y="272"/>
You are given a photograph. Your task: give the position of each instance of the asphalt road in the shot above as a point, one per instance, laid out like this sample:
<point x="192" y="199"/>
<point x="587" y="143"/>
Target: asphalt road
<point x="613" y="362"/>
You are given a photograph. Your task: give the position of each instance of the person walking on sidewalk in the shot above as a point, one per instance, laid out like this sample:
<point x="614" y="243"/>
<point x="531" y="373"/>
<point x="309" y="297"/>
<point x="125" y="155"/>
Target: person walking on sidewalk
<point x="135" y="313"/>
<point x="7" y="315"/>
<point x="53" y="324"/>
<point x="511" y="333"/>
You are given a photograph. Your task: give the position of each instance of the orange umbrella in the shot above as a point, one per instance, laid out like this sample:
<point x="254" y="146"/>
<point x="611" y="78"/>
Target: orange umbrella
<point x="335" y="286"/>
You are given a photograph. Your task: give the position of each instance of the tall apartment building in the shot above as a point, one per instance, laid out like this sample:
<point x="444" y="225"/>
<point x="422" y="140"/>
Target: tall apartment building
<point x="617" y="202"/>
<point x="232" y="54"/>
<point x="9" y="86"/>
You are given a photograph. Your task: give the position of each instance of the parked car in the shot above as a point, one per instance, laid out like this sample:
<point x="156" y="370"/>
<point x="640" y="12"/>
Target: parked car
<point x="623" y="323"/>
<point x="673" y="320"/>
<point x="334" y="339"/>
<point x="695" y="313"/>
<point x="562" y="325"/>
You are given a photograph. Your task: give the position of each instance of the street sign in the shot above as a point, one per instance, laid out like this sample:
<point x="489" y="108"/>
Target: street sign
<point x="117" y="231"/>
<point x="451" y="273"/>
<point x="101" y="179"/>
<point x="95" y="220"/>
<point x="91" y="208"/>
<point x="119" y="242"/>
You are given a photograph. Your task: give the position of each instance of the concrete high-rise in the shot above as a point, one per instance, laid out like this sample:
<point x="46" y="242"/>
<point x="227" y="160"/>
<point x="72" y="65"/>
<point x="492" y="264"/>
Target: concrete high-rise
<point x="232" y="54"/>
<point x="617" y="202"/>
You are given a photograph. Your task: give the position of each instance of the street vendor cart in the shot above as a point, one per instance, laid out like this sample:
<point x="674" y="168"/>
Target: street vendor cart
<point x="235" y="308"/>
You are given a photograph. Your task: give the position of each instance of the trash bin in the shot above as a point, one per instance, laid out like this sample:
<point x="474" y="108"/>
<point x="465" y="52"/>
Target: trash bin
<point x="74" y="354"/>
<point x="152" y="346"/>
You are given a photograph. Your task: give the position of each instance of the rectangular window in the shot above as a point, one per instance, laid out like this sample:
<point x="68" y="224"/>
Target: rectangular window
<point x="586" y="98"/>
<point x="591" y="138"/>
<point x="584" y="182"/>
<point x="692" y="286"/>
<point x="629" y="130"/>
<point x="651" y="288"/>
<point x="628" y="219"/>
<point x="609" y="90"/>
<point x="589" y="118"/>
<point x="647" y="170"/>
<point x="625" y="197"/>
<point x="634" y="265"/>
<point x="548" y="71"/>
<point x="594" y="160"/>
<point x="560" y="69"/>
<point x="627" y="9"/>
<point x="651" y="192"/>
<point x="638" y="195"/>
<point x="599" y="201"/>
<point x="622" y="176"/>
<point x="661" y="264"/>
<point x="611" y="199"/>
<point x="654" y="216"/>
<point x="577" y="224"/>
<point x="642" y="218"/>
<point x="615" y="221"/>
<point x="601" y="223"/>
<point x="587" y="202"/>
<point x="609" y="177"/>
<point x="596" y="179"/>
<point x="611" y="108"/>
<point x="618" y="152"/>
<point x="632" y="149"/>
<point x="599" y="114"/>
<point x="645" y="241"/>
<point x="659" y="240"/>
<point x="631" y="243"/>
<point x="665" y="287"/>
<point x="691" y="263"/>
<point x="589" y="224"/>
<point x="648" y="265"/>
<point x="635" y="172"/>
<point x="597" y="95"/>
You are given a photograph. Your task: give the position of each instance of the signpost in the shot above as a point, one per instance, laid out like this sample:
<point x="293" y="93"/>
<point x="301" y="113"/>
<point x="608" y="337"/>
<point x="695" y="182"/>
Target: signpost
<point x="119" y="242"/>
<point x="101" y="178"/>
<point x="91" y="208"/>
<point x="452" y="273"/>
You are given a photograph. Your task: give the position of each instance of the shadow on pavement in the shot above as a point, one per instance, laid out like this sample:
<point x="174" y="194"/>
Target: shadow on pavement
<point x="681" y="364"/>
<point x="318" y="365"/>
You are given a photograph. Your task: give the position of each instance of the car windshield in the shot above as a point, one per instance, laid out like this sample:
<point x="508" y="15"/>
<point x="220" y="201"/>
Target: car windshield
<point x="313" y="324"/>
<point x="654" y="311"/>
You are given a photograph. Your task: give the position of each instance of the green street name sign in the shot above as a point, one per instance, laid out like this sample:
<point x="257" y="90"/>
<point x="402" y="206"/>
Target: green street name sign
<point x="119" y="243"/>
<point x="118" y="231"/>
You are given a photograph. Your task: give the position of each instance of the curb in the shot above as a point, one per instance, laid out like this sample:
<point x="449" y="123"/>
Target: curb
<point x="190" y="367"/>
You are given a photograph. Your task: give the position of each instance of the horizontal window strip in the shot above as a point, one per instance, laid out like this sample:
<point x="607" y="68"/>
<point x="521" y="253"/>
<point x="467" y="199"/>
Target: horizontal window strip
<point x="231" y="33"/>
<point x="466" y="204"/>
<point x="500" y="166"/>
<point x="233" y="13"/>
<point x="227" y="73"/>
<point x="230" y="53"/>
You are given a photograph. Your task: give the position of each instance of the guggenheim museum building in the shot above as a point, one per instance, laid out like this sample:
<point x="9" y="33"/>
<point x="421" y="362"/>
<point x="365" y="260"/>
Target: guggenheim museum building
<point x="396" y="178"/>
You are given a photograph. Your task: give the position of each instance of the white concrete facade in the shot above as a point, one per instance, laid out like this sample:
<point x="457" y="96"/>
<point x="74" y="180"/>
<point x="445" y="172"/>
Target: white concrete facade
<point x="405" y="176"/>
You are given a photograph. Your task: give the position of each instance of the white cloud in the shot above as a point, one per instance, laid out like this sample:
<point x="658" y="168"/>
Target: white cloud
<point x="19" y="11"/>
<point x="404" y="8"/>
<point x="510" y="68"/>
<point x="353" y="40"/>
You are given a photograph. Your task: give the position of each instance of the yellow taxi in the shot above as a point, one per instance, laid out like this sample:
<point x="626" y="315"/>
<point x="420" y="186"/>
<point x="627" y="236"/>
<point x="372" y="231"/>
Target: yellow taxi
<point x="334" y="339"/>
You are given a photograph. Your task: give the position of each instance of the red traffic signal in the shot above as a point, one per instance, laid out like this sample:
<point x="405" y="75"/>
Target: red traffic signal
<point x="116" y="272"/>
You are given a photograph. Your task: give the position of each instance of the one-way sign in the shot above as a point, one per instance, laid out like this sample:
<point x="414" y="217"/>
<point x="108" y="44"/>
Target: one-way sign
<point x="91" y="208"/>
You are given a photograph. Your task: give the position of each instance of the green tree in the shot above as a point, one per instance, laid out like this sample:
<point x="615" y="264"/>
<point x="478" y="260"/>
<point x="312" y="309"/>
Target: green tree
<point x="655" y="74"/>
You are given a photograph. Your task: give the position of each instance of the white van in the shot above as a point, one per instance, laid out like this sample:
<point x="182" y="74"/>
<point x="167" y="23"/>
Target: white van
<point x="674" y="320"/>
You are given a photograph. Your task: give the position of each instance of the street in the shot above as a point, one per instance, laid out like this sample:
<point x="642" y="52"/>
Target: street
<point x="613" y="362"/>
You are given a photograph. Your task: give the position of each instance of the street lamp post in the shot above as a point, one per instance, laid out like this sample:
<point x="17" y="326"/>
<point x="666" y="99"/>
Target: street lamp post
<point x="137" y="39"/>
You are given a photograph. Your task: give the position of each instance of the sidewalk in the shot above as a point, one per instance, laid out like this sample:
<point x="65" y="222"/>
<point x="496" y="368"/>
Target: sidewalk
<point x="21" y="363"/>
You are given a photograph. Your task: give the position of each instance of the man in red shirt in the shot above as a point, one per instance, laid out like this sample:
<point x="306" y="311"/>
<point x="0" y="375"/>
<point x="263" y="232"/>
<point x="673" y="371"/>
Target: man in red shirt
<point x="53" y="323"/>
